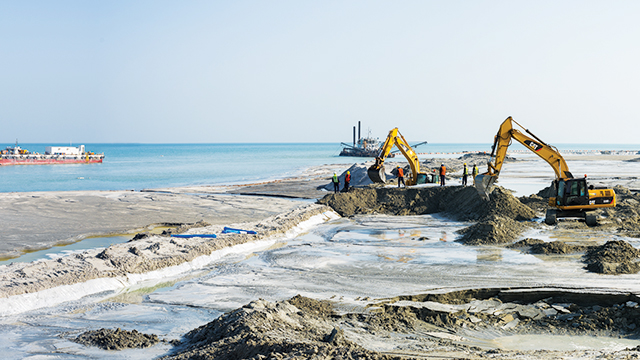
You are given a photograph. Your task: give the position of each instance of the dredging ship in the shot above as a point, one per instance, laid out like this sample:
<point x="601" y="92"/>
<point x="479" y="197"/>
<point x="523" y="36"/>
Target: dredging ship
<point x="15" y="155"/>
<point x="363" y="147"/>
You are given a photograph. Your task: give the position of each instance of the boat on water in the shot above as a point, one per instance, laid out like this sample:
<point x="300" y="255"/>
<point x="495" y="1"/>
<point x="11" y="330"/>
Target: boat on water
<point x="15" y="155"/>
<point x="363" y="146"/>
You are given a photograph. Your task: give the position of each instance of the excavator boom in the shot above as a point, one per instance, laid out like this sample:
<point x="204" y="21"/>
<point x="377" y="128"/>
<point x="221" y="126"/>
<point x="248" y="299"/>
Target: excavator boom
<point x="484" y="182"/>
<point x="376" y="171"/>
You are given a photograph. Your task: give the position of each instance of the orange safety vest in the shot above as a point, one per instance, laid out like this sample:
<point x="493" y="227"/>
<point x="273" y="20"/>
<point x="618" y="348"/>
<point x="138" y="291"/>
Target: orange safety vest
<point x="400" y="172"/>
<point x="347" y="178"/>
<point x="443" y="170"/>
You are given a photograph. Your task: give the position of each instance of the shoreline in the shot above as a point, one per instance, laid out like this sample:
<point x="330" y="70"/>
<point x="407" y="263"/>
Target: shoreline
<point x="40" y="220"/>
<point x="28" y="286"/>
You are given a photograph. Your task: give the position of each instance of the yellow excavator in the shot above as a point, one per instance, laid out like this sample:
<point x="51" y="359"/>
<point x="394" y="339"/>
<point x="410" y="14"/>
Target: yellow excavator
<point x="573" y="198"/>
<point x="376" y="171"/>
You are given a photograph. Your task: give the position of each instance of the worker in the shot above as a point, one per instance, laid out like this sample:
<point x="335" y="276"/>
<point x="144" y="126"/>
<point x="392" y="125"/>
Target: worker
<point x="465" y="173"/>
<point x="336" y="183"/>
<point x="401" y="177"/>
<point x="443" y="172"/>
<point x="347" y="180"/>
<point x="474" y="171"/>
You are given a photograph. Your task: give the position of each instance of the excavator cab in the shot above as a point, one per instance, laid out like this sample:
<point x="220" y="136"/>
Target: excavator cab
<point x="571" y="192"/>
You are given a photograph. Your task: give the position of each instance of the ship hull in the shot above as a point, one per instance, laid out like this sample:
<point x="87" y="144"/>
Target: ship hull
<point x="4" y="162"/>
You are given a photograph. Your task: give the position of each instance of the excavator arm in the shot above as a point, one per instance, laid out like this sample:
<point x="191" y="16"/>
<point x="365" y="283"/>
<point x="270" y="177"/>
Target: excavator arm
<point x="484" y="182"/>
<point x="376" y="171"/>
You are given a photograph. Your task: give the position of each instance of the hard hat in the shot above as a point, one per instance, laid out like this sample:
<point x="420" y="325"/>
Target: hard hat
<point x="465" y="163"/>
<point x="441" y="164"/>
<point x="348" y="172"/>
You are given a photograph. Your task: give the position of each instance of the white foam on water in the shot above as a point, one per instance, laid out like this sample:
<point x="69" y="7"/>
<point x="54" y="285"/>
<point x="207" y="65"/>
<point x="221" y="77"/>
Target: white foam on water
<point x="50" y="297"/>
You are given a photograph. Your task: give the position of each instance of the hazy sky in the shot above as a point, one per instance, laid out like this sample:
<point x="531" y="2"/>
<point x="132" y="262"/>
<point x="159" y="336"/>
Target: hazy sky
<point x="307" y="71"/>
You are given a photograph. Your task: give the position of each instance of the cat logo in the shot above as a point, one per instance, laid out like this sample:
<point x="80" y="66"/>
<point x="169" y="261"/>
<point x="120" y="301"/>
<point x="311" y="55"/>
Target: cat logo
<point x="534" y="145"/>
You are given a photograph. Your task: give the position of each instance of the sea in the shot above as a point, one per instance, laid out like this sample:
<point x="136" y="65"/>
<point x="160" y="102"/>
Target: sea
<point x="148" y="166"/>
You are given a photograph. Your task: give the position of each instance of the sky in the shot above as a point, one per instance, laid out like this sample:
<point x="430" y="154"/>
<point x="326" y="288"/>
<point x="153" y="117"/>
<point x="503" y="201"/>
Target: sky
<point x="308" y="71"/>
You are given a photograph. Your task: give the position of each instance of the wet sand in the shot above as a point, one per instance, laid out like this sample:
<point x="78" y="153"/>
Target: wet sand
<point x="271" y="208"/>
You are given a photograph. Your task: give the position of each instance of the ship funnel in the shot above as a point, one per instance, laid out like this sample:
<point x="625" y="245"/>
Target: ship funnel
<point x="354" y="136"/>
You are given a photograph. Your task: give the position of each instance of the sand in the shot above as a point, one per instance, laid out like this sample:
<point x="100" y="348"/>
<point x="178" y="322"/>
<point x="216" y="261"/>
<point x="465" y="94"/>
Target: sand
<point x="32" y="221"/>
<point x="302" y="328"/>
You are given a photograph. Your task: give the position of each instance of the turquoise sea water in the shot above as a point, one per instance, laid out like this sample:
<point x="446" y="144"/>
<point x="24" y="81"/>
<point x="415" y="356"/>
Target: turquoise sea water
<point x="142" y="166"/>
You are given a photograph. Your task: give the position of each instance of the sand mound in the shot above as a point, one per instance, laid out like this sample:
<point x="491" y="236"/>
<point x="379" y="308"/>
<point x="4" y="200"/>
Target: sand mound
<point x="280" y="330"/>
<point x="537" y="246"/>
<point x="116" y="339"/>
<point x="525" y="243"/>
<point x="498" y="218"/>
<point x="494" y="230"/>
<point x="359" y="176"/>
<point x="458" y="202"/>
<point x="614" y="257"/>
<point x="265" y="330"/>
<point x="556" y="247"/>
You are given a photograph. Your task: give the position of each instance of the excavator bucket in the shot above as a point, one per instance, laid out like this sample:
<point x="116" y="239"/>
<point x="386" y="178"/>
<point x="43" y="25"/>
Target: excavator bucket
<point x="484" y="184"/>
<point x="377" y="175"/>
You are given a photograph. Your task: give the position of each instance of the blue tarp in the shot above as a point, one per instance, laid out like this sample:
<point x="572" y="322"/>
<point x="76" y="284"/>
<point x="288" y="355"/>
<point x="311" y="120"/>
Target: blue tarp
<point x="195" y="235"/>
<point x="228" y="230"/>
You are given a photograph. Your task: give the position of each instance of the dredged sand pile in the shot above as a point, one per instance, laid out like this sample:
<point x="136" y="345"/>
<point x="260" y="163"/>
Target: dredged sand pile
<point x="32" y="221"/>
<point x="142" y="256"/>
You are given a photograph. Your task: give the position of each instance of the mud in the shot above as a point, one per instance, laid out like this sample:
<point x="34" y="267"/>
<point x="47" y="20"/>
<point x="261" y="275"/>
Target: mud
<point x="623" y="219"/>
<point x="499" y="220"/>
<point x="415" y="326"/>
<point x="556" y="247"/>
<point x="266" y="330"/>
<point x="528" y="310"/>
<point x="117" y="339"/>
<point x="614" y="257"/>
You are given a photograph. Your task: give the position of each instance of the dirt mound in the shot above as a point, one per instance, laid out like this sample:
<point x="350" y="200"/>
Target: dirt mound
<point x="322" y="308"/>
<point x="547" y="192"/>
<point x="359" y="176"/>
<point x="279" y="330"/>
<point x="525" y="311"/>
<point x="498" y="218"/>
<point x="614" y="257"/>
<point x="537" y="246"/>
<point x="458" y="202"/>
<point x="525" y="243"/>
<point x="536" y="203"/>
<point x="556" y="247"/>
<point x="266" y="330"/>
<point x="494" y="230"/>
<point x="116" y="339"/>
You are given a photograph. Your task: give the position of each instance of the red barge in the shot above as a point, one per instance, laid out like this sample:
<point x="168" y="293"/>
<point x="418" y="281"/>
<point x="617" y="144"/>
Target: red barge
<point x="15" y="155"/>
